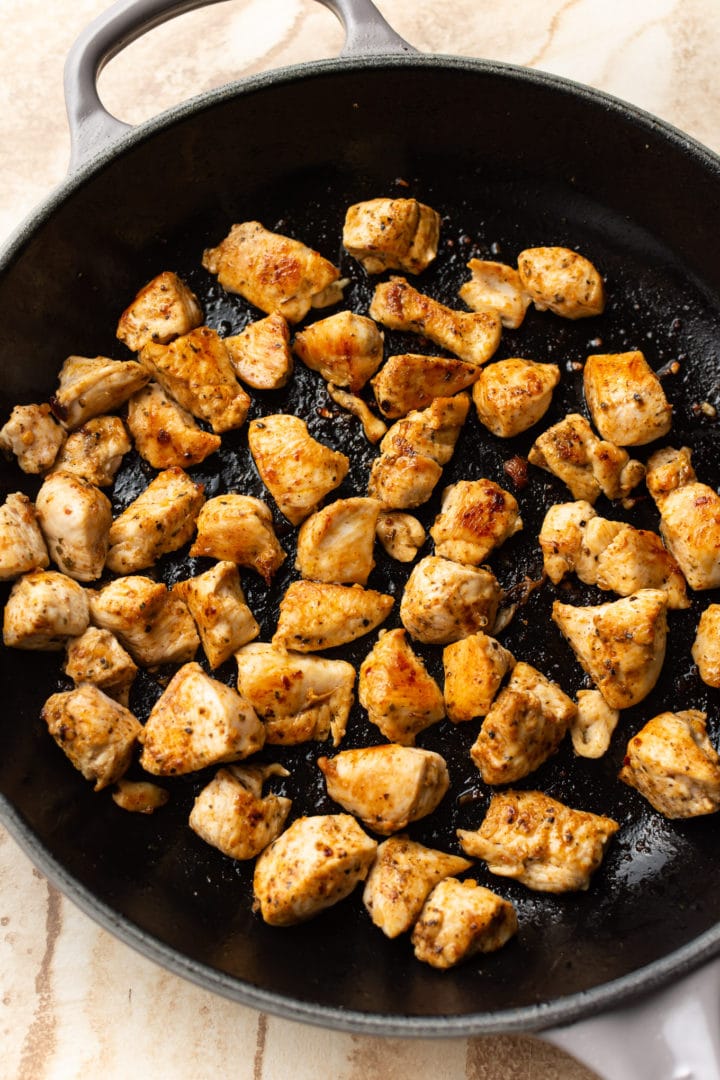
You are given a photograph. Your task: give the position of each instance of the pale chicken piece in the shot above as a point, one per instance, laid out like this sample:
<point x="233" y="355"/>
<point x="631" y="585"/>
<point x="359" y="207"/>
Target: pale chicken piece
<point x="198" y="721"/>
<point x="93" y="386"/>
<point x="588" y="465"/>
<point x="217" y="603"/>
<point x="95" y="451"/>
<point x="471" y="336"/>
<point x="297" y="697"/>
<point x="559" y="280"/>
<point x="392" y="234"/>
<point x="475" y="517"/>
<point x="33" y="436"/>
<point x="637" y="559"/>
<point x="297" y="470"/>
<point x="139" y="796"/>
<point x="97" y="657"/>
<point x="75" y="518"/>
<point x="621" y="645"/>
<point x="512" y="395"/>
<point x="432" y="432"/>
<point x="346" y="349"/>
<point x="22" y="547"/>
<point x="497" y="286"/>
<point x="314" y="864"/>
<point x="232" y="814"/>
<point x="336" y="544"/>
<point x="460" y="919"/>
<point x="239" y="529"/>
<point x="523" y="727"/>
<point x="317" y="615"/>
<point x="593" y="725"/>
<point x="673" y="764"/>
<point x="561" y="537"/>
<point x="401" y="535"/>
<point x="401" y="697"/>
<point x="403" y="481"/>
<point x="386" y="786"/>
<point x="275" y="273"/>
<point x="260" y="354"/>
<point x="401" y="879"/>
<point x="165" y="434"/>
<point x="43" y="610"/>
<point x="689" y="516"/>
<point x="96" y="733"/>
<point x="153" y="624"/>
<point x="196" y="371"/>
<point x="444" y="601"/>
<point x="165" y="308"/>
<point x="373" y="426"/>
<point x="625" y="398"/>
<point x="706" y="647"/>
<point x="409" y="381"/>
<point x="161" y="519"/>
<point x="475" y="668"/>
<point x="539" y="841"/>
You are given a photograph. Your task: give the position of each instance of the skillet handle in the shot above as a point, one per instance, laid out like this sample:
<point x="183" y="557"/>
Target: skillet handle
<point x="92" y="127"/>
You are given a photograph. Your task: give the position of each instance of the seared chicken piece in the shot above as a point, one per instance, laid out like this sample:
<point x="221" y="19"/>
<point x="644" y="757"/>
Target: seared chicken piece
<point x="239" y="528"/>
<point x="410" y="381"/>
<point x="402" y="877"/>
<point x="33" y="436"/>
<point x="22" y="546"/>
<point x="460" y="919"/>
<point x="475" y="517"/>
<point x="706" y="647"/>
<point x="336" y="543"/>
<point x="345" y="348"/>
<point x="165" y="434"/>
<point x="431" y="432"/>
<point x="512" y="395"/>
<point x="273" y="272"/>
<point x="297" y="697"/>
<point x="620" y="645"/>
<point x="392" y="234"/>
<point x="43" y="610"/>
<point x="217" y="604"/>
<point x="689" y="516"/>
<point x="196" y="371"/>
<point x="261" y="354"/>
<point x="400" y="696"/>
<point x="139" y="796"/>
<point x="497" y="286"/>
<point x="668" y="470"/>
<point x="161" y="519"/>
<point x="400" y="534"/>
<point x="386" y="786"/>
<point x="315" y="615"/>
<point x="588" y="465"/>
<point x="95" y="451"/>
<point x="198" y="721"/>
<point x="75" y="518"/>
<point x="164" y="309"/>
<point x="314" y="864"/>
<point x="523" y="727"/>
<point x="593" y="725"/>
<point x="561" y="281"/>
<point x="231" y="813"/>
<point x="475" y="668"/>
<point x="561" y="537"/>
<point x="539" y="841"/>
<point x="297" y="470"/>
<point x="97" y="734"/>
<point x="626" y="399"/>
<point x="97" y="657"/>
<point x="472" y="336"/>
<point x="94" y="386"/>
<point x="373" y="426"/>
<point x="154" y="625"/>
<point x="403" y="481"/>
<point x="444" y="601"/>
<point x="673" y="764"/>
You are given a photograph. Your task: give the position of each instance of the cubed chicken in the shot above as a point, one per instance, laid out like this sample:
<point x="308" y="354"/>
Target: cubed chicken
<point x="669" y="469"/>
<point x="689" y="516"/>
<point x="372" y="425"/>
<point x="346" y="349"/>
<point x="673" y="764"/>
<point x="706" y="647"/>
<point x="198" y="721"/>
<point x="165" y="434"/>
<point x="562" y="281"/>
<point x="386" y="786"/>
<point x="392" y="234"/>
<point x="154" y="625"/>
<point x="444" y="601"/>
<point x="432" y="432"/>
<point x="512" y="395"/>
<point x="232" y="814"/>
<point x="96" y="733"/>
<point x="588" y="465"/>
<point x="239" y="528"/>
<point x="401" y="697"/>
<point x="403" y="481"/>
<point x="97" y="657"/>
<point x="75" y="518"/>
<point x="22" y="546"/>
<point x="460" y="919"/>
<point x="336" y="543"/>
<point x="314" y="864"/>
<point x="561" y="537"/>
<point x="315" y="615"/>
<point x="43" y="610"/>
<point x="33" y="436"/>
<point x="276" y="274"/>
<point x="139" y="796"/>
<point x="161" y="519"/>
<point x="410" y="381"/>
<point x="593" y="725"/>
<point x="164" y="309"/>
<point x="93" y="386"/>
<point x="217" y="603"/>
<point x="625" y="398"/>
<point x="95" y="451"/>
<point x="260" y="354"/>
<point x="499" y="287"/>
<point x="475" y="517"/>
<point x="401" y="535"/>
<point x="475" y="668"/>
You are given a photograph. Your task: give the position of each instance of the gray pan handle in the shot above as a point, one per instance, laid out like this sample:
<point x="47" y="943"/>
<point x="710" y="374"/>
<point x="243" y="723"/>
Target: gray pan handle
<point x="92" y="127"/>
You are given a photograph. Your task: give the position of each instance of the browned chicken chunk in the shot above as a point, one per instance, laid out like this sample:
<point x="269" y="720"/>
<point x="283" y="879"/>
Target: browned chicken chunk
<point x="625" y="398"/>
<point x="345" y="348"/>
<point x="392" y="234"/>
<point x="97" y="657"/>
<point x="161" y="519"/>
<point x="689" y="516"/>
<point x="561" y="281"/>
<point x="261" y="354"/>
<point x="165" y="434"/>
<point x="33" y="436"/>
<point x="164" y="309"/>
<point x="499" y="287"/>
<point x="475" y="668"/>
<point x="43" y="610"/>
<point x="315" y="615"/>
<point x="22" y="546"/>
<point x="217" y="604"/>
<point x="372" y="425"/>
<point x="459" y="920"/>
<point x="95" y="451"/>
<point x="239" y="528"/>
<point x="75" y="518"/>
<point x="403" y="481"/>
<point x="402" y="535"/>
<point x="336" y="543"/>
<point x="706" y="647"/>
<point x="444" y="601"/>
<point x="512" y="395"/>
<point x="97" y="734"/>
<point x="410" y="381"/>
<point x="154" y="625"/>
<point x="94" y="386"/>
<point x="232" y="814"/>
<point x="673" y="764"/>
<point x="401" y="697"/>
<point x="139" y="796"/>
<point x="588" y="465"/>
<point x="475" y="517"/>
<point x="592" y="728"/>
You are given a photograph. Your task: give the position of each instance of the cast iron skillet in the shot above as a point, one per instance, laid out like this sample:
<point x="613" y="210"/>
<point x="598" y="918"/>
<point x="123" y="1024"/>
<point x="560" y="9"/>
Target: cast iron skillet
<point x="511" y="158"/>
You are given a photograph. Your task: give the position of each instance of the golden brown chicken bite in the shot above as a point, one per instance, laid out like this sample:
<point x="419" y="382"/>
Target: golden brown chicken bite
<point x="139" y="796"/>
<point x="392" y="234"/>
<point x="401" y="697"/>
<point x="346" y="349"/>
<point x="475" y="668"/>
<point x="512" y="395"/>
<point x="460" y="919"/>
<point x="165" y="434"/>
<point x="232" y="814"/>
<point x="402" y="535"/>
<point x="33" y="436"/>
<point x="432" y="432"/>
<point x="593" y="725"/>
<point x="410" y="381"/>
<point x="217" y="603"/>
<point x="561" y="281"/>
<point x="689" y="516"/>
<point x="706" y="647"/>
<point x="239" y="528"/>
<point x="475" y="517"/>
<point x="625" y="398"/>
<point x="161" y="519"/>
<point x="444" y="601"/>
<point x="75" y="518"/>
<point x="97" y="657"/>
<point x="316" y="615"/>
<point x="497" y="286"/>
<point x="336" y="543"/>
<point x="260" y="354"/>
<point x="43" y="610"/>
<point x="22" y="546"/>
<point x="96" y="733"/>
<point x="372" y="425"/>
<point x="588" y="465"/>
<point x="153" y="624"/>
<point x="95" y="451"/>
<point x="403" y="481"/>
<point x="92" y="386"/>
<point x="164" y="309"/>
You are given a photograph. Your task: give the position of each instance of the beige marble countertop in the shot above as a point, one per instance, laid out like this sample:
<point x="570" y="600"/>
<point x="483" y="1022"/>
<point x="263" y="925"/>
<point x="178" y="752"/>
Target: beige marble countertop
<point x="74" y="1000"/>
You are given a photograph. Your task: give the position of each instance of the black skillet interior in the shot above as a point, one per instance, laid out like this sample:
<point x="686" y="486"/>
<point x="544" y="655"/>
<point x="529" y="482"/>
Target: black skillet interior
<point x="510" y="161"/>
